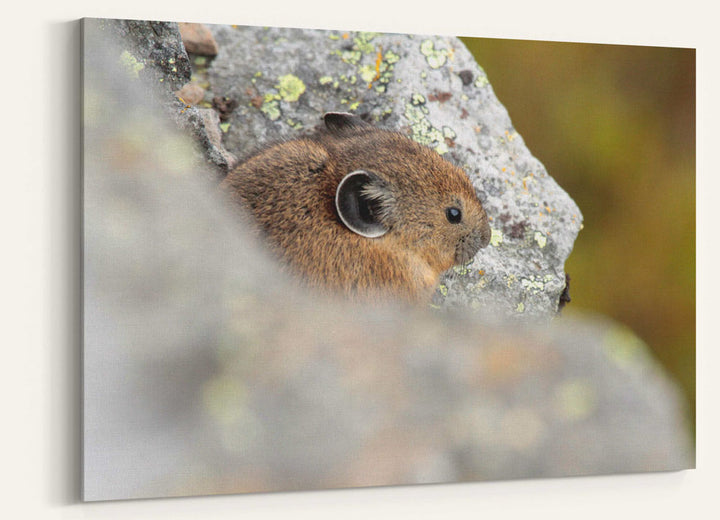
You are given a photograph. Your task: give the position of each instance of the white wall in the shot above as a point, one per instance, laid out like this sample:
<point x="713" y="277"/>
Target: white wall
<point x="40" y="297"/>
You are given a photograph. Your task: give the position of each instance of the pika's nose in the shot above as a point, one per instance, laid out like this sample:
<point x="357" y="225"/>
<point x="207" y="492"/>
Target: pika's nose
<point x="484" y="234"/>
<point x="472" y="243"/>
<point x="477" y="240"/>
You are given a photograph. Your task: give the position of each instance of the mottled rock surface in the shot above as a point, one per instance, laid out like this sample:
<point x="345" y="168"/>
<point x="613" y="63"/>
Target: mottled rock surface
<point x="205" y="371"/>
<point x="432" y="89"/>
<point x="154" y="53"/>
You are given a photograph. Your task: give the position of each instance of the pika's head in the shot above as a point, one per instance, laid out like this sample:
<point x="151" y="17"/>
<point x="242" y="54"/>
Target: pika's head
<point x="390" y="188"/>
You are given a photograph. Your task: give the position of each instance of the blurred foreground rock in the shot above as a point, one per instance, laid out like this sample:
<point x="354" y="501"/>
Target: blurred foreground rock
<point x="207" y="372"/>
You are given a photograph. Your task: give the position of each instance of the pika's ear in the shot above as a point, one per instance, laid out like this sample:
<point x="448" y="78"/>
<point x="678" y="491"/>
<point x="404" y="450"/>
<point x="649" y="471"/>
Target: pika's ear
<point x="341" y="122"/>
<point x="365" y="204"/>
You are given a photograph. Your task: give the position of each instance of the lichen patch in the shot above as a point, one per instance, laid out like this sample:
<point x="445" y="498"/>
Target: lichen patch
<point x="435" y="58"/>
<point x="290" y="87"/>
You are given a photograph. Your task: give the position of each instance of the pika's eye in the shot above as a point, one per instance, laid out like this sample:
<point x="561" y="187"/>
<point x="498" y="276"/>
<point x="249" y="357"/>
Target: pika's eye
<point x="454" y="215"/>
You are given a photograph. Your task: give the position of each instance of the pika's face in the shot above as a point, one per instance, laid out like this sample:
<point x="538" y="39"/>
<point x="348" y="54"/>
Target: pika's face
<point x="451" y="230"/>
<point x="407" y="196"/>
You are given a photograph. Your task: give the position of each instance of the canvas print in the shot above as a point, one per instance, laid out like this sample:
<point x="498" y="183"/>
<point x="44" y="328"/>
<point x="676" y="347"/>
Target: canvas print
<point x="318" y="259"/>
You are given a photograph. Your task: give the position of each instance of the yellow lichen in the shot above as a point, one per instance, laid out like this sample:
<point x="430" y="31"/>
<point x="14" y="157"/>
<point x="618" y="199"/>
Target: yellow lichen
<point x="540" y="239"/>
<point x="132" y="65"/>
<point x="290" y="87"/>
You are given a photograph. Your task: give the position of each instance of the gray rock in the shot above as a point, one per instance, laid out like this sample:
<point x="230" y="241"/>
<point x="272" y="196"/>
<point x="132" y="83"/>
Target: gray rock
<point x="215" y="149"/>
<point x="154" y="54"/>
<point x="153" y="51"/>
<point x="432" y="89"/>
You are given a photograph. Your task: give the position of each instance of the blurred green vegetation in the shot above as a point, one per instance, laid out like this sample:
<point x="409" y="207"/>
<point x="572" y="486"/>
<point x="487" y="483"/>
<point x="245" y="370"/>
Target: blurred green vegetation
<point x="615" y="126"/>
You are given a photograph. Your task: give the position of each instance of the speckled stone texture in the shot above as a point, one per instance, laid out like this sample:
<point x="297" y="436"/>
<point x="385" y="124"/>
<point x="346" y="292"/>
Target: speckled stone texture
<point x="153" y="52"/>
<point x="432" y="89"/>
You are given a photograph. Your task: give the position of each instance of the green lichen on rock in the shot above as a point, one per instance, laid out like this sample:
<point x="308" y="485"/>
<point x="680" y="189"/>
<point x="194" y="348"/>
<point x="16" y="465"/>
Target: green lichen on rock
<point x="540" y="239"/>
<point x="351" y="56"/>
<point x="533" y="284"/>
<point x="448" y="132"/>
<point x="417" y="99"/>
<point x="292" y="123"/>
<point x="422" y="131"/>
<point x="462" y="270"/>
<point x="384" y="71"/>
<point x="374" y="65"/>
<point x="290" y="87"/>
<point x="362" y="42"/>
<point x="131" y="64"/>
<point x="496" y="238"/>
<point x="271" y="109"/>
<point x="436" y="58"/>
<point x="441" y="148"/>
<point x="391" y="58"/>
<point x="348" y="79"/>
<point x="481" y="80"/>
<point x="367" y="73"/>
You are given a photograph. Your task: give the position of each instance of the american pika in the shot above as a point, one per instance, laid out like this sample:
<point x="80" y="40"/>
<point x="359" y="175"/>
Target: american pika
<point x="360" y="210"/>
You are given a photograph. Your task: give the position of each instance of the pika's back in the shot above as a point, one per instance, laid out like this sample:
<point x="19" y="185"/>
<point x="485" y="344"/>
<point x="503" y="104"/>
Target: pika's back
<point x="360" y="210"/>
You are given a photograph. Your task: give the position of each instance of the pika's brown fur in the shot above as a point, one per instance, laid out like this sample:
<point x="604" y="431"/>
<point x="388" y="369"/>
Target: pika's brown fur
<point x="405" y="192"/>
